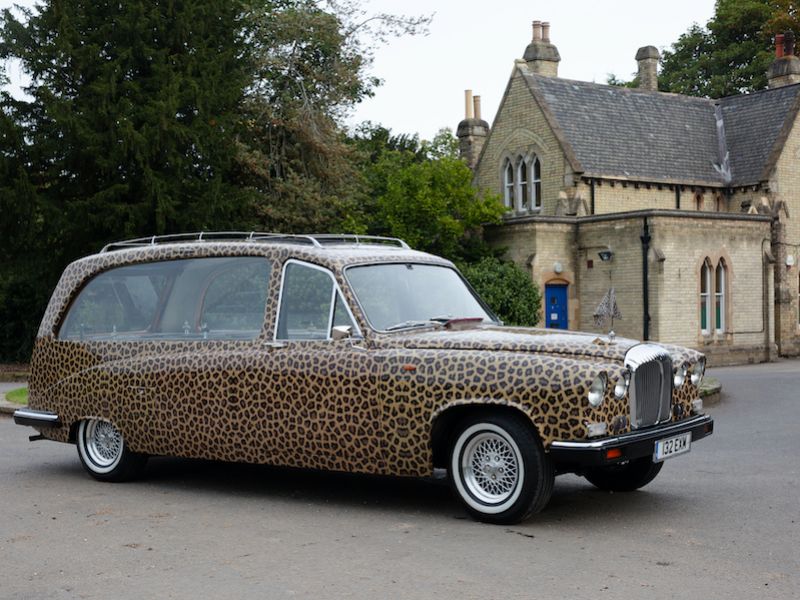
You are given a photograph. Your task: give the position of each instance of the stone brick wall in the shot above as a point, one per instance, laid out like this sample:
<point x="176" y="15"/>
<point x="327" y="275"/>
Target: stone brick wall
<point x="675" y="285"/>
<point x="537" y="246"/>
<point x="681" y="241"/>
<point x="623" y="272"/>
<point x="613" y="197"/>
<point x="785" y="185"/>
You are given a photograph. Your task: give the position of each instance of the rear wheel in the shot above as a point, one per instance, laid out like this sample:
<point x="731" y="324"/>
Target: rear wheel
<point x="103" y="452"/>
<point x="625" y="477"/>
<point x="499" y="469"/>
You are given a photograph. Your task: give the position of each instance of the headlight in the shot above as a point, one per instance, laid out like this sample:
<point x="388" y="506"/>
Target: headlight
<point x="698" y="371"/>
<point x="621" y="388"/>
<point x="680" y="375"/>
<point x="598" y="390"/>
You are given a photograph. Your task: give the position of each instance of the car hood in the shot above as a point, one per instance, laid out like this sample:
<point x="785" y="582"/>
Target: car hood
<point x="527" y="340"/>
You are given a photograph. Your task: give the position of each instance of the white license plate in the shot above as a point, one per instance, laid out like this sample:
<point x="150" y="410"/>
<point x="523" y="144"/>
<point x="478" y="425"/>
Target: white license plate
<point x="680" y="444"/>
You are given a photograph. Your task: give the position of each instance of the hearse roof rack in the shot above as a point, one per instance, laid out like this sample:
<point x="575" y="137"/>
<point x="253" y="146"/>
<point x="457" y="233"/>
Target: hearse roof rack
<point x="315" y="240"/>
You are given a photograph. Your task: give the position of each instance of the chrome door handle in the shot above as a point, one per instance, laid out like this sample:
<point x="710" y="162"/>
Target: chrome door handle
<point x="274" y="344"/>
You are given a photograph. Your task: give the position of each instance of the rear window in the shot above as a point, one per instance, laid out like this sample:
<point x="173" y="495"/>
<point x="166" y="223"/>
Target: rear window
<point x="202" y="298"/>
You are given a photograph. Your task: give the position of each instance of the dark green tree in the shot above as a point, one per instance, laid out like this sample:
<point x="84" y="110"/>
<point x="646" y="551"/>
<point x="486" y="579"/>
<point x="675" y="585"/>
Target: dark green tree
<point x="129" y="128"/>
<point x="732" y="53"/>
<point x="132" y="114"/>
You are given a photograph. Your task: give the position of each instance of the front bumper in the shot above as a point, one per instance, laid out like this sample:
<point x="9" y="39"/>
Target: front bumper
<point x="36" y="418"/>
<point x="574" y="456"/>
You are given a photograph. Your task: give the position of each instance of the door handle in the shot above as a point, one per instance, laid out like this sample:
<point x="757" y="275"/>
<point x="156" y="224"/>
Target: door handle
<point x="274" y="344"/>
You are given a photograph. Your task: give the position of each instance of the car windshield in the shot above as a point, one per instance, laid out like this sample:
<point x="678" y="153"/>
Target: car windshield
<point x="399" y="296"/>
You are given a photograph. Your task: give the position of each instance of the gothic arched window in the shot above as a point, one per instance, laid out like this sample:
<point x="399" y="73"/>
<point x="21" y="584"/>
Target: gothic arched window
<point x="508" y="184"/>
<point x="705" y="297"/>
<point x="537" y="183"/>
<point x="720" y="283"/>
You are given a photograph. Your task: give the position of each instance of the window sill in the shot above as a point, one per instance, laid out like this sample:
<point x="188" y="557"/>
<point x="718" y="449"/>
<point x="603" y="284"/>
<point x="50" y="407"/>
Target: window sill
<point x="523" y="213"/>
<point x="715" y="338"/>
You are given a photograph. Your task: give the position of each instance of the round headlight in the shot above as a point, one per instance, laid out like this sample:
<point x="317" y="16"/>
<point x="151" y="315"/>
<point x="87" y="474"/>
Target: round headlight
<point x="621" y="387"/>
<point x="680" y="375"/>
<point x="597" y="390"/>
<point x="698" y="371"/>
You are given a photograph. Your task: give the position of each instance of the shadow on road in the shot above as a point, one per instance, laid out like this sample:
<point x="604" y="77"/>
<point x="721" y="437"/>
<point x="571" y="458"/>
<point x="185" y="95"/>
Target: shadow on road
<point x="574" y="500"/>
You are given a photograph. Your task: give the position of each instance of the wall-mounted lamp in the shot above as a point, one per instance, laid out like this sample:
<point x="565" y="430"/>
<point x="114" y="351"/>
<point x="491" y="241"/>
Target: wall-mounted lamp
<point x="790" y="261"/>
<point x="605" y="255"/>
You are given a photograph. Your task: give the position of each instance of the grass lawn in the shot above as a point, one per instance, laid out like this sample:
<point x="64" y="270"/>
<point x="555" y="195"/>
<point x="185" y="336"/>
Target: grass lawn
<point x="18" y="396"/>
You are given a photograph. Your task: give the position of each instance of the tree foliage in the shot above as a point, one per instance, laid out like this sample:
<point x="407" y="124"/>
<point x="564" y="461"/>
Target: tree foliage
<point x="422" y="192"/>
<point x="732" y="53"/>
<point x="507" y="289"/>
<point x="310" y="68"/>
<point x="128" y="129"/>
<point x="133" y="108"/>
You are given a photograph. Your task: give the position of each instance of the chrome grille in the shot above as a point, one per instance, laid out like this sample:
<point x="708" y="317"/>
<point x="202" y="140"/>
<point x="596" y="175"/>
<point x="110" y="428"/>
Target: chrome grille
<point x="651" y="385"/>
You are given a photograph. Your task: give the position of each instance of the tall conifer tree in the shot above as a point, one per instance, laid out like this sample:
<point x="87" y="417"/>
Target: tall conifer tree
<point x="132" y="115"/>
<point x="128" y="129"/>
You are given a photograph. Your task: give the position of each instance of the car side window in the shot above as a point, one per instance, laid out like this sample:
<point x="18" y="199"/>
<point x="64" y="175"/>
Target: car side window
<point x="234" y="299"/>
<point x="200" y="298"/>
<point x="118" y="302"/>
<point x="311" y="304"/>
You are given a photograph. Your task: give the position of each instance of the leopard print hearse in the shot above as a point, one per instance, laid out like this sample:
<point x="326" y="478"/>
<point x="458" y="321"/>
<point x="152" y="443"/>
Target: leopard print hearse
<point x="345" y="353"/>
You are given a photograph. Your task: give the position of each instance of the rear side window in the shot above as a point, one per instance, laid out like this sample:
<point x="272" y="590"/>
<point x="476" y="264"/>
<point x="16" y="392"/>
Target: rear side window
<point x="202" y="298"/>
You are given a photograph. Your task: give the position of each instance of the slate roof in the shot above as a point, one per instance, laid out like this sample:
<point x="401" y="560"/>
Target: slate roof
<point x="755" y="129"/>
<point x="650" y="136"/>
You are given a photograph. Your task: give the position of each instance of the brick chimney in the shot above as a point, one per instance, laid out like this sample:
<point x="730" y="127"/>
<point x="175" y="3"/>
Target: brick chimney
<point x="785" y="69"/>
<point x="472" y="131"/>
<point x="542" y="56"/>
<point x="647" y="58"/>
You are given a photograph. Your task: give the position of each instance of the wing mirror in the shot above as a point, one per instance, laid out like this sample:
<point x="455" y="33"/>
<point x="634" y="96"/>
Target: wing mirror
<point x="341" y="332"/>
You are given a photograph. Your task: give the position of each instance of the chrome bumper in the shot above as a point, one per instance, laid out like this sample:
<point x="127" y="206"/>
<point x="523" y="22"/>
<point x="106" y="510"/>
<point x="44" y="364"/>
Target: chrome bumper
<point x="36" y="418"/>
<point x="573" y="455"/>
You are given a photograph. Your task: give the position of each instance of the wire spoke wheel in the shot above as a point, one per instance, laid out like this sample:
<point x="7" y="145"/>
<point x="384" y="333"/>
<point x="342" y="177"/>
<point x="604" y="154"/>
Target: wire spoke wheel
<point x="104" y="454"/>
<point x="103" y="443"/>
<point x="491" y="468"/>
<point x="498" y="468"/>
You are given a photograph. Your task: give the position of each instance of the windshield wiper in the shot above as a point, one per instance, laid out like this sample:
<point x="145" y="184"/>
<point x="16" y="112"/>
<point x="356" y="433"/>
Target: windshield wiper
<point x="416" y="323"/>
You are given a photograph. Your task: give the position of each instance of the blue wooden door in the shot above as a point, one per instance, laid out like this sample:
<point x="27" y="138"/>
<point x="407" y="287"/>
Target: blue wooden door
<point x="555" y="307"/>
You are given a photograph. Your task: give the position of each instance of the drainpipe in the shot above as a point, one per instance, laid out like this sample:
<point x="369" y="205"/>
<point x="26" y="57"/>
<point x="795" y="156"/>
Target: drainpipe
<point x="645" y="237"/>
<point x="591" y="196"/>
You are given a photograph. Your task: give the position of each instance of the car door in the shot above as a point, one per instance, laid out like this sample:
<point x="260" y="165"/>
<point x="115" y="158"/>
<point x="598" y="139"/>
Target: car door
<point x="192" y="384"/>
<point x="325" y="390"/>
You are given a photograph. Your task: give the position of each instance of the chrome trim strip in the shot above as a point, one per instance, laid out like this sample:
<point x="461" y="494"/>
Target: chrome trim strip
<point x="36" y="418"/>
<point x="636" y="436"/>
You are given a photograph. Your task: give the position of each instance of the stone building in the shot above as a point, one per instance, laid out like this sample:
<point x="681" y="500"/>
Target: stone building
<point x="688" y="207"/>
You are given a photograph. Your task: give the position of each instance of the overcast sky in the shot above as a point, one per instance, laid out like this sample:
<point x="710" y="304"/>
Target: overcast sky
<point x="472" y="45"/>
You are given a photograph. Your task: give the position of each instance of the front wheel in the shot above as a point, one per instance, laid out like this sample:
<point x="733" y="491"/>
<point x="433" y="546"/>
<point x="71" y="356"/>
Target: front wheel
<point x="626" y="477"/>
<point x="104" y="454"/>
<point x="499" y="469"/>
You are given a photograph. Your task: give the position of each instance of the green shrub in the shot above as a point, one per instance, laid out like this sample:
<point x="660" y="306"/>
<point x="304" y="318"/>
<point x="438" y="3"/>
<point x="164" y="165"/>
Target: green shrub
<point x="507" y="289"/>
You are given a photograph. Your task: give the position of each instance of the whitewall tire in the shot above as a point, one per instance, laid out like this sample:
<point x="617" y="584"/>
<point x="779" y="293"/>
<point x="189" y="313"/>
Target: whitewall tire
<point x="498" y="468"/>
<point x="104" y="454"/>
